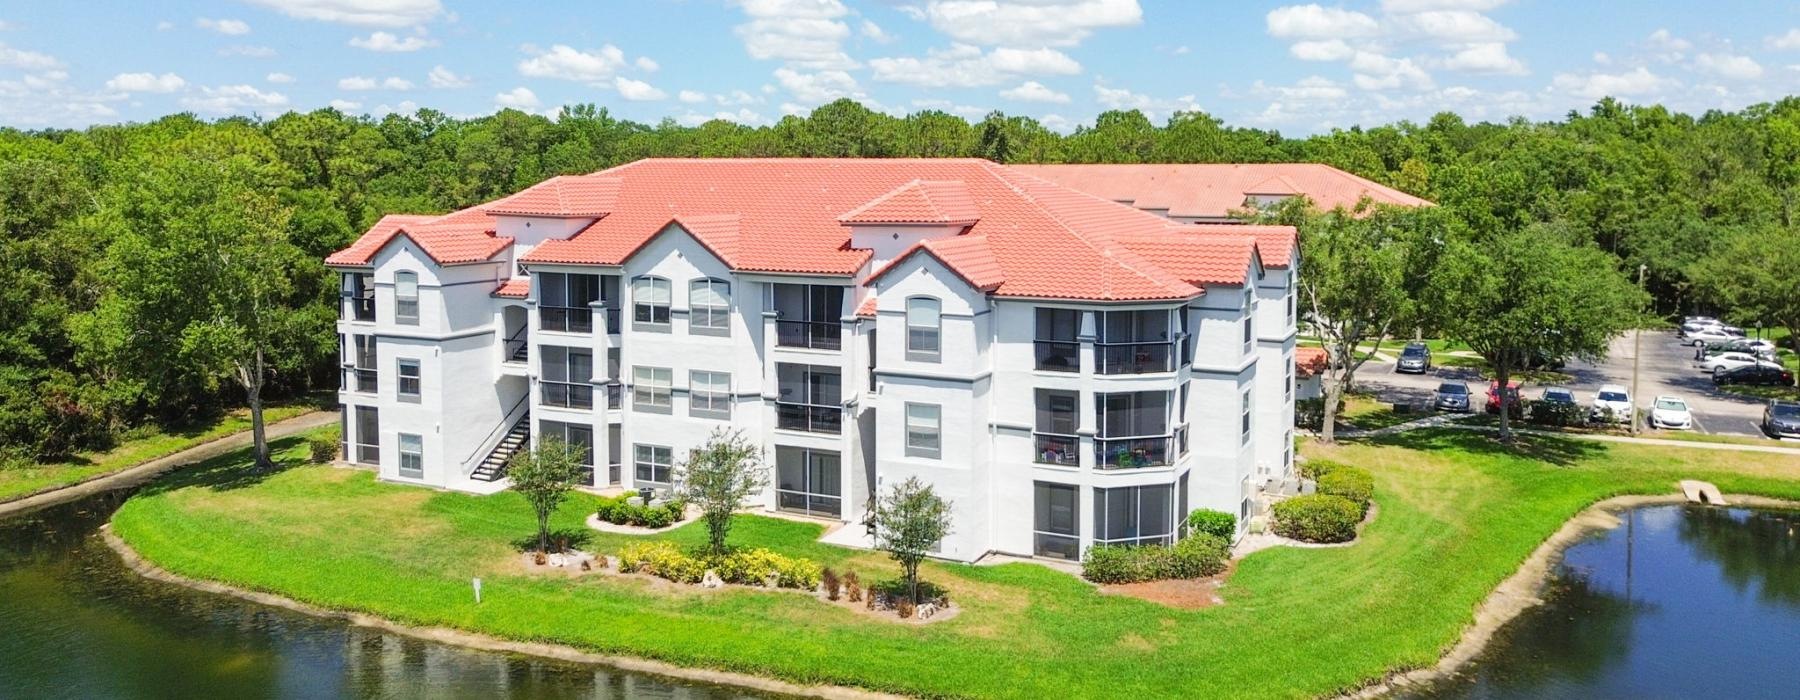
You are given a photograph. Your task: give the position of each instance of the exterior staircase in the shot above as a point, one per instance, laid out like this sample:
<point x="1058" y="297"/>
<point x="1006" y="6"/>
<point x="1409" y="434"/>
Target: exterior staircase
<point x="493" y="468"/>
<point x="520" y="353"/>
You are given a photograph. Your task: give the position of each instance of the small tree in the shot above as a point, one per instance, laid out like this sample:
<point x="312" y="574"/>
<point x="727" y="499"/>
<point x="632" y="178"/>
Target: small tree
<point x="545" y="477"/>
<point x="909" y="521"/>
<point x="718" y="476"/>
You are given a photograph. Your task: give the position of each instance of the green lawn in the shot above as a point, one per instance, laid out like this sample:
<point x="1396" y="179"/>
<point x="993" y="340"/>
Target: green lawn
<point x="145" y="445"/>
<point x="1365" y="412"/>
<point x="1457" y="515"/>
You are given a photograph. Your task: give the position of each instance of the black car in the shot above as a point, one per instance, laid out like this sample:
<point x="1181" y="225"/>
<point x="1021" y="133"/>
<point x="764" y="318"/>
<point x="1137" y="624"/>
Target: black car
<point x="1781" y="419"/>
<point x="1451" y="396"/>
<point x="1414" y="358"/>
<point x="1758" y="374"/>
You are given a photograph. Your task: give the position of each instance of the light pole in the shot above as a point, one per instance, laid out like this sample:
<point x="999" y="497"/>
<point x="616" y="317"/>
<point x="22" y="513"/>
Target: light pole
<point x="1637" y="351"/>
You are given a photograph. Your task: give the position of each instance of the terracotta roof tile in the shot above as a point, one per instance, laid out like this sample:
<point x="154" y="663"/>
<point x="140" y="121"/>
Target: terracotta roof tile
<point x="458" y="237"/>
<point x="569" y="196"/>
<point x="1309" y="361"/>
<point x="1275" y="244"/>
<point x="867" y="308"/>
<point x="1215" y="190"/>
<point x="919" y="202"/>
<point x="517" y="288"/>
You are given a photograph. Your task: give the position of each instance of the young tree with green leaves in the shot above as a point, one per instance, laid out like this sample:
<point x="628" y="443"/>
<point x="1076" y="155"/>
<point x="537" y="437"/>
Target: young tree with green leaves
<point x="545" y="476"/>
<point x="1755" y="275"/>
<point x="1530" y="296"/>
<point x="909" y="521"/>
<point x="717" y="477"/>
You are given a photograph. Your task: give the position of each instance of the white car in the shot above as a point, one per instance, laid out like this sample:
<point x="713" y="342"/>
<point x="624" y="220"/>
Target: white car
<point x="1670" y="413"/>
<point x="1710" y="334"/>
<point x="1727" y="361"/>
<point x="1611" y="403"/>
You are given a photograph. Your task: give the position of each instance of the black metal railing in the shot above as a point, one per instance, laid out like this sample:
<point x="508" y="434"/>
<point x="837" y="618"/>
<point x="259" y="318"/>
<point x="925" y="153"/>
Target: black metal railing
<point x="567" y="394"/>
<point x="1132" y="453"/>
<point x="1058" y="356"/>
<point x="1051" y="448"/>
<point x="818" y="335"/>
<point x="518" y="346"/>
<point x="362" y="308"/>
<point x="615" y="395"/>
<point x="809" y="503"/>
<point x="1134" y="358"/>
<point x="809" y="418"/>
<point x="566" y="319"/>
<point x="360" y="379"/>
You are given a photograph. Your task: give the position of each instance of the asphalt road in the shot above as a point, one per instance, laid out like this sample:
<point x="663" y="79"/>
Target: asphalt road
<point x="1667" y="368"/>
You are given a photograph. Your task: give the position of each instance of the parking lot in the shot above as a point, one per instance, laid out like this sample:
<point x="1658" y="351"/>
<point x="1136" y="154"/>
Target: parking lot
<point x="1667" y="368"/>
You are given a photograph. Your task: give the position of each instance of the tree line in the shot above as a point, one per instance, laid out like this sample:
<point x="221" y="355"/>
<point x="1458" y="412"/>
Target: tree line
<point x="162" y="272"/>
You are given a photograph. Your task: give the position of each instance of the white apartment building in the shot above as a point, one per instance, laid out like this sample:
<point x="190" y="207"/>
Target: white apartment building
<point x="1066" y="369"/>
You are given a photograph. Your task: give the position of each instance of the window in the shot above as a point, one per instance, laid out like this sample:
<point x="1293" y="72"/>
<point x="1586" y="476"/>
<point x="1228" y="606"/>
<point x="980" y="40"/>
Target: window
<point x="615" y="389"/>
<point x="1187" y="336"/>
<point x="923" y="329"/>
<point x="651" y="464"/>
<point x="652" y="389"/>
<point x="1181" y="426"/>
<point x="368" y="435"/>
<point x="580" y="437"/>
<point x="565" y="375"/>
<point x="360" y="288"/>
<point x="412" y="457"/>
<point x="1133" y="515"/>
<point x="564" y="301"/>
<point x="1057" y="345"/>
<point x="359" y="364"/>
<point x="709" y="394"/>
<point x="1055" y="441"/>
<point x="809" y="398"/>
<point x="808" y="316"/>
<point x="1056" y="525"/>
<point x="924" y="434"/>
<point x="1291" y="304"/>
<point x="1244" y="437"/>
<point x="1249" y="315"/>
<point x="709" y="307"/>
<point x="650" y="302"/>
<point x="1133" y="429"/>
<point x="1181" y="504"/>
<point x="406" y="298"/>
<point x="615" y="453"/>
<point x="1134" y="342"/>
<point x="1289" y="396"/>
<point x="808" y="481"/>
<point x="409" y="379"/>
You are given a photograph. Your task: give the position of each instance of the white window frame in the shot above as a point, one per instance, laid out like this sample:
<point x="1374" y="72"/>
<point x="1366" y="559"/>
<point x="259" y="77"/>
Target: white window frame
<point x="406" y="306"/>
<point x="646" y="456"/>
<point x="414" y="453"/>
<point x="924" y="431"/>
<point x="1244" y="439"/>
<point x="401" y="365"/>
<point x="919" y="328"/>
<point x="650" y="293"/>
<point x="709" y="394"/>
<point x="652" y="389"/>
<point x="704" y="315"/>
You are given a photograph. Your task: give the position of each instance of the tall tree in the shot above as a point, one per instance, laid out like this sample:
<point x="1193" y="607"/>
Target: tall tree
<point x="1756" y="274"/>
<point x="909" y="521"/>
<point x="544" y="477"/>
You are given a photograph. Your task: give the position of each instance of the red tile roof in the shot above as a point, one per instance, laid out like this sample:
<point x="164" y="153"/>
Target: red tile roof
<point x="1309" y="361"/>
<point x="1215" y="190"/>
<point x="568" y="196"/>
<point x="460" y="237"/>
<point x="919" y="202"/>
<point x="1029" y="237"/>
<point x="1275" y="244"/>
<point x="516" y="288"/>
<point x="867" y="308"/>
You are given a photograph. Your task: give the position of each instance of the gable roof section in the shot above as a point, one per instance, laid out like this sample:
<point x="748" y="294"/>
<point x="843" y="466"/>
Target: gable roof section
<point x="515" y="288"/>
<point x="1309" y="361"/>
<point x="944" y="202"/>
<point x="565" y="196"/>
<point x="1209" y="190"/>
<point x="460" y="237"/>
<point x="1198" y="260"/>
<point x="1274" y="244"/>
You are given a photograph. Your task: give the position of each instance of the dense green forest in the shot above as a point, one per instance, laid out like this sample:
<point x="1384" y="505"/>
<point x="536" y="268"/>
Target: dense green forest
<point x="139" y="261"/>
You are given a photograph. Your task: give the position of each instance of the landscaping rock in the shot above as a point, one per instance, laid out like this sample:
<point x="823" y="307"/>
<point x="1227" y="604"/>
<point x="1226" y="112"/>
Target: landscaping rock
<point x="711" y="580"/>
<point x="635" y="500"/>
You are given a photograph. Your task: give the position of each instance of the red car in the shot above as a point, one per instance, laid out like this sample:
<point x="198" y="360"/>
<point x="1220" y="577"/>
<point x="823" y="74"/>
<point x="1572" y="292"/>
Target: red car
<point x="1514" y="407"/>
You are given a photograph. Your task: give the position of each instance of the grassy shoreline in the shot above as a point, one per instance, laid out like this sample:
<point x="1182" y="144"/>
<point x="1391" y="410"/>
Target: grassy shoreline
<point x="1458" y="516"/>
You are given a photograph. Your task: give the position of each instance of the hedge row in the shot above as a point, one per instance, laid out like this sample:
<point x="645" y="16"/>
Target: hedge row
<point x="1197" y="555"/>
<point x="619" y="510"/>
<point x="751" y="567"/>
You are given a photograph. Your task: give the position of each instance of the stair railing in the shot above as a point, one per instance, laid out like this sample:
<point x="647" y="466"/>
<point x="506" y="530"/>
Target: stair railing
<point x="493" y="438"/>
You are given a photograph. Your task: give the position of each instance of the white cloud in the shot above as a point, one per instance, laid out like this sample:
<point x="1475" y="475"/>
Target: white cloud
<point x="374" y="13"/>
<point x="1154" y="108"/>
<point x="691" y="96"/>
<point x="1028" y="22"/>
<point x="518" y="98"/>
<point x="964" y="65"/>
<point x="362" y="83"/>
<point x="1057" y="123"/>
<point x="389" y="43"/>
<point x="404" y="107"/>
<point x="1668" y="47"/>
<point x="26" y="60"/>
<point x="228" y="27"/>
<point x="164" y="26"/>
<point x="234" y="99"/>
<point x="1786" y="42"/>
<point x="1374" y="71"/>
<point x="248" y="51"/>
<point x="1730" y="66"/>
<point x="1034" y="91"/>
<point x="1451" y="27"/>
<point x="1309" y="89"/>
<point x="441" y="77"/>
<point x="1317" y="22"/>
<point x="646" y="64"/>
<point x="146" y="82"/>
<point x="345" y="106"/>
<point x="737" y="98"/>
<point x="742" y="116"/>
<point x="1486" y="58"/>
<point x="1594" y="86"/>
<point x="638" y="90"/>
<point x="565" y="63"/>
<point x="1404" y="6"/>
<point x="818" y="87"/>
<point x="46" y="99"/>
<point x="1327" y="50"/>
<point x="801" y="33"/>
<point x="873" y="32"/>
<point x="279" y="78"/>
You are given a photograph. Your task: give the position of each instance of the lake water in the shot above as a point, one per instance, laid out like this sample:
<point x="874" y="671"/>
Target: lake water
<point x="1680" y="602"/>
<point x="75" y="623"/>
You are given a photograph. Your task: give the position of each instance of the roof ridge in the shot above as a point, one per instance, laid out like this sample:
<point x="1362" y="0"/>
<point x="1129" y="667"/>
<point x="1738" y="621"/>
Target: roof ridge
<point x="1109" y="250"/>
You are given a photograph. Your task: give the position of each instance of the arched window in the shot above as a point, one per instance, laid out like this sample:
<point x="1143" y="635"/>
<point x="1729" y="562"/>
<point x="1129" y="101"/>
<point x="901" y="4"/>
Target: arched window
<point x="709" y="306"/>
<point x="923" y="329"/>
<point x="650" y="301"/>
<point x="406" y="298"/>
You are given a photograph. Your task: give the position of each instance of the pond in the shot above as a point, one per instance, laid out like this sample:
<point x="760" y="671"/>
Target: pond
<point x="1678" y="602"/>
<point x="75" y="623"/>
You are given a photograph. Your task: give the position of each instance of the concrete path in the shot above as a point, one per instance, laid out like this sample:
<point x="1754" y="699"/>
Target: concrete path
<point x="1726" y="446"/>
<point x="141" y="473"/>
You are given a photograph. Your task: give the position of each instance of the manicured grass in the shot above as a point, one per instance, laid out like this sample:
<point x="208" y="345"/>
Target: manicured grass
<point x="141" y="447"/>
<point x="1537" y="376"/>
<point x="1365" y="412"/>
<point x="1457" y="515"/>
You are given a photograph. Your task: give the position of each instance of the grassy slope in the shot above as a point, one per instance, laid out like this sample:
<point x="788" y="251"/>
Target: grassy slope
<point x="24" y="481"/>
<point x="1457" y="516"/>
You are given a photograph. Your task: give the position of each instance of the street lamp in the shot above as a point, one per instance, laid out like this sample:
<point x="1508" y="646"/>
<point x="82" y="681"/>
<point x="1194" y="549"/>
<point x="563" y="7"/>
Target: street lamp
<point x="1637" y="351"/>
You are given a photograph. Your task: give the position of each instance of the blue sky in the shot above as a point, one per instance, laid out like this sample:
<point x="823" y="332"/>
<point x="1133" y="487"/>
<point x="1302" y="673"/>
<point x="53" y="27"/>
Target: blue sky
<point x="1298" y="67"/>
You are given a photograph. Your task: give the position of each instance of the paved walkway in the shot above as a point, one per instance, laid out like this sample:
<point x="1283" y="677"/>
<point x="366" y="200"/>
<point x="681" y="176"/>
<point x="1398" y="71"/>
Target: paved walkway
<point x="1600" y="437"/>
<point x="141" y="473"/>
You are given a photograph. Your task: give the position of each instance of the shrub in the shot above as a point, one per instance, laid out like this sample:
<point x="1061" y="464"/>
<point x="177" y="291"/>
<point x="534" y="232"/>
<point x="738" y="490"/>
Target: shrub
<point x="1315" y="468"/>
<point x="323" y="447"/>
<point x="661" y="559"/>
<point x="619" y="511"/>
<point x="1310" y="413"/>
<point x="1350" y="482"/>
<point x="853" y="586"/>
<point x="829" y="579"/>
<point x="1196" y="556"/>
<point x="1317" y="518"/>
<point x="1561" y="415"/>
<point x="762" y="567"/>
<point x="1217" y="523"/>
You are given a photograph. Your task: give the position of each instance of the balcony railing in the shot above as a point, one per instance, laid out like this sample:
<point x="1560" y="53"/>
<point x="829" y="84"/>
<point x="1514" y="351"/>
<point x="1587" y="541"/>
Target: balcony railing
<point x="517" y="347"/>
<point x="360" y="379"/>
<point x="1057" y="449"/>
<point x="1135" y="358"/>
<point x="362" y="308"/>
<point x="615" y="395"/>
<point x="567" y="394"/>
<point x="1132" y="453"/>
<point x="809" y="418"/>
<point x="1058" y="356"/>
<point x="818" y="335"/>
<point x="566" y="319"/>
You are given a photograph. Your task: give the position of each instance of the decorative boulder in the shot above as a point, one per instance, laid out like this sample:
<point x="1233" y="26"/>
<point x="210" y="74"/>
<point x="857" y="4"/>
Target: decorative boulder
<point x="711" y="580"/>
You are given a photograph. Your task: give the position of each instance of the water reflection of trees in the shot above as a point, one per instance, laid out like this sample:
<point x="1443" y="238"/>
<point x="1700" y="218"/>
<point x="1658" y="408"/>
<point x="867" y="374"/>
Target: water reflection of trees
<point x="1571" y="639"/>
<point x="1751" y="547"/>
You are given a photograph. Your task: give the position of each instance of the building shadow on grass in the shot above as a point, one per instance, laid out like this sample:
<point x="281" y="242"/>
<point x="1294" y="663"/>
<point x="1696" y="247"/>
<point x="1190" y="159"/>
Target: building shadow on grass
<point x="232" y="470"/>
<point x="1552" y="449"/>
<point x="560" y="540"/>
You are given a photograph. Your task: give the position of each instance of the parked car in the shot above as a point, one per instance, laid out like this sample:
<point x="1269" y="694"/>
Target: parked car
<point x="1415" y="358"/>
<point x="1709" y="334"/>
<point x="1781" y="419"/>
<point x="1557" y="394"/>
<point x="1698" y="319"/>
<point x="1761" y="374"/>
<point x="1514" y="407"/>
<point x="1727" y="361"/>
<point x="1452" y="396"/>
<point x="1670" y="413"/>
<point x="1612" y="403"/>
